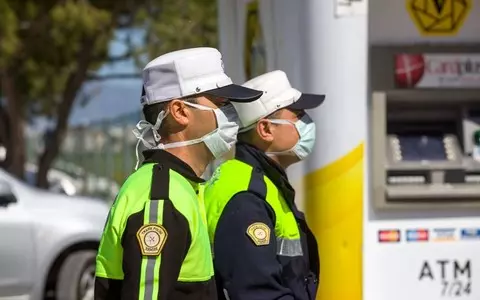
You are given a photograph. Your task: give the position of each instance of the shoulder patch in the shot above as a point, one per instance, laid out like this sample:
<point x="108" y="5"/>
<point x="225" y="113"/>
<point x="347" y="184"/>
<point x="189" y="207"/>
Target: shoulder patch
<point x="152" y="238"/>
<point x="259" y="233"/>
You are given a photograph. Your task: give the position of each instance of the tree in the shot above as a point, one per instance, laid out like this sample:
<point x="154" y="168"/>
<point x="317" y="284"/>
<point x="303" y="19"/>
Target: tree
<point x="49" y="48"/>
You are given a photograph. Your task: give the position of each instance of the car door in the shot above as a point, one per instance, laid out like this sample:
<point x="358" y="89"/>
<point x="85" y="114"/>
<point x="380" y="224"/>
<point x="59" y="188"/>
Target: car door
<point x="17" y="259"/>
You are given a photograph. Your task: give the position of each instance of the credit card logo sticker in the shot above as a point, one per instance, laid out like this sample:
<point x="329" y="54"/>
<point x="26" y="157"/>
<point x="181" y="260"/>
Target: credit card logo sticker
<point x="417" y="235"/>
<point x="389" y="236"/>
<point x="443" y="234"/>
<point x="470" y="233"/>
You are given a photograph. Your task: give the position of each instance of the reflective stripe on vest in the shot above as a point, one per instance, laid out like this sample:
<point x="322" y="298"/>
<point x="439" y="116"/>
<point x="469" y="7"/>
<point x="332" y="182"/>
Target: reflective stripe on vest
<point x="234" y="177"/>
<point x="150" y="271"/>
<point x="289" y="247"/>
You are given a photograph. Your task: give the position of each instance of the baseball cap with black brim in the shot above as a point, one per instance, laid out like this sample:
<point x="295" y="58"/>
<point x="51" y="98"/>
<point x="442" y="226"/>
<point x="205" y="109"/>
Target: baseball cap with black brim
<point x="189" y="72"/>
<point x="236" y="93"/>
<point x="278" y="93"/>
<point x="307" y="101"/>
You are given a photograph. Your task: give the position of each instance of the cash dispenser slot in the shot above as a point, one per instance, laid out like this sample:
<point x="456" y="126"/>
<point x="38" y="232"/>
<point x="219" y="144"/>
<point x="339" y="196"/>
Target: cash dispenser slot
<point x="420" y="157"/>
<point x="472" y="177"/>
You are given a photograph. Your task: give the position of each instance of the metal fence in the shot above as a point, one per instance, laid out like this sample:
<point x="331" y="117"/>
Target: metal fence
<point x="98" y="156"/>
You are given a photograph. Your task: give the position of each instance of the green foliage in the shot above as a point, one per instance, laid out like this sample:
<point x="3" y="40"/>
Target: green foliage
<point x="41" y="40"/>
<point x="9" y="42"/>
<point x="178" y="24"/>
<point x="44" y="44"/>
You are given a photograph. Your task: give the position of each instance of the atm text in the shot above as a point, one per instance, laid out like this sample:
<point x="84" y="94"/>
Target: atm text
<point x="455" y="276"/>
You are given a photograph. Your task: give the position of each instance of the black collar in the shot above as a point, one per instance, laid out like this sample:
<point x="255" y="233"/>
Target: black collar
<point x="255" y="157"/>
<point x="170" y="161"/>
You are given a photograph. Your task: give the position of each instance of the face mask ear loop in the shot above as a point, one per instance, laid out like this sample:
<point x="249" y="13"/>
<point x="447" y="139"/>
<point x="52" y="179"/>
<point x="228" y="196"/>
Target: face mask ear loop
<point x="198" y="106"/>
<point x="141" y="129"/>
<point x="156" y="126"/>
<point x="137" y="156"/>
<point x="157" y="136"/>
<point x="283" y="122"/>
<point x="139" y="132"/>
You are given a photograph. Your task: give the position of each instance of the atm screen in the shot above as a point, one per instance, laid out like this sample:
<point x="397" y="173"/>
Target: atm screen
<point x="422" y="147"/>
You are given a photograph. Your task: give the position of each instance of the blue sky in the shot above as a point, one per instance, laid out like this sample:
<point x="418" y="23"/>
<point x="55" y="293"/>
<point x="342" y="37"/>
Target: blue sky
<point x="111" y="98"/>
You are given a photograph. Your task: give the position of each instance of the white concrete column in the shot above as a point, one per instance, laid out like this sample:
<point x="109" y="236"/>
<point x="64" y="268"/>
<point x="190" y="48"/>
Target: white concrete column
<point x="335" y="63"/>
<point x="333" y="55"/>
<point x="231" y="28"/>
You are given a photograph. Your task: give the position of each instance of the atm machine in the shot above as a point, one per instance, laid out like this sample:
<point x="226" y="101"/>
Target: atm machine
<point x="424" y="131"/>
<point x="424" y="145"/>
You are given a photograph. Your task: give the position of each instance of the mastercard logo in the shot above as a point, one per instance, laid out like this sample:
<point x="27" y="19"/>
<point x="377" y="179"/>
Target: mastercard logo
<point x="389" y="236"/>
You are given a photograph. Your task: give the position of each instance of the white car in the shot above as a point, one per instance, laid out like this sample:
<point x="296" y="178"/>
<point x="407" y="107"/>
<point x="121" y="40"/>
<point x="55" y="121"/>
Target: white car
<point x="48" y="242"/>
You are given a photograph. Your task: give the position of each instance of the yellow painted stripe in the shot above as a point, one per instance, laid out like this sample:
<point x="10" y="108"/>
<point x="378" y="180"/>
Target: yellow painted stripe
<point x="336" y="168"/>
<point x="334" y="202"/>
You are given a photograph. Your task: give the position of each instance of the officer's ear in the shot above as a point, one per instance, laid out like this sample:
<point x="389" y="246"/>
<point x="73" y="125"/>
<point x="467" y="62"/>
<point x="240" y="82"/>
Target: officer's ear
<point x="179" y="112"/>
<point x="265" y="130"/>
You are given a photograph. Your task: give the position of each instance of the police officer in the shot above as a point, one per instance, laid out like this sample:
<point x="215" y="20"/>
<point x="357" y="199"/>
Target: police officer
<point x="262" y="246"/>
<point x="155" y="244"/>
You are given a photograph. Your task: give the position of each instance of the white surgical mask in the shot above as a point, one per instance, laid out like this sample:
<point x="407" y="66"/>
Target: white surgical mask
<point x="219" y="141"/>
<point x="306" y="131"/>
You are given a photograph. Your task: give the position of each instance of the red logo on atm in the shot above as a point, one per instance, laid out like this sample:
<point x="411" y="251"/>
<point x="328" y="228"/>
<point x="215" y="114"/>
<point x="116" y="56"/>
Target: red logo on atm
<point x="389" y="236"/>
<point x="409" y="69"/>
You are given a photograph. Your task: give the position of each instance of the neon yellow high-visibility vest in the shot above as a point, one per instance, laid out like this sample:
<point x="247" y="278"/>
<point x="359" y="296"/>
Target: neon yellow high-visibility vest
<point x="234" y="177"/>
<point x="134" y="199"/>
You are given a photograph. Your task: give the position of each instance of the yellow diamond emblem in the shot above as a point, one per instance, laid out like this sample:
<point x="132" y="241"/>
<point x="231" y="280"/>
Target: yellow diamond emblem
<point x="439" y="17"/>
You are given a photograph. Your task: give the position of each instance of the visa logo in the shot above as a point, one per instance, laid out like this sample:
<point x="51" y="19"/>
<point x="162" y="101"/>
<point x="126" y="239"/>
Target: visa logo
<point x="470" y="233"/>
<point x="443" y="234"/>
<point x="417" y="235"/>
<point x="389" y="236"/>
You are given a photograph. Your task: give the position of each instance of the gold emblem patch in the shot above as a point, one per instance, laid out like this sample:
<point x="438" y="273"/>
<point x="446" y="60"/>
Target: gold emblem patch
<point x="151" y="238"/>
<point x="259" y="233"/>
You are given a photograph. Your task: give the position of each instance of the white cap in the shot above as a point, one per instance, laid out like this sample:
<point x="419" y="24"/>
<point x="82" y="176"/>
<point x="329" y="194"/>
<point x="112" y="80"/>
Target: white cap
<point x="277" y="94"/>
<point x="188" y="72"/>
